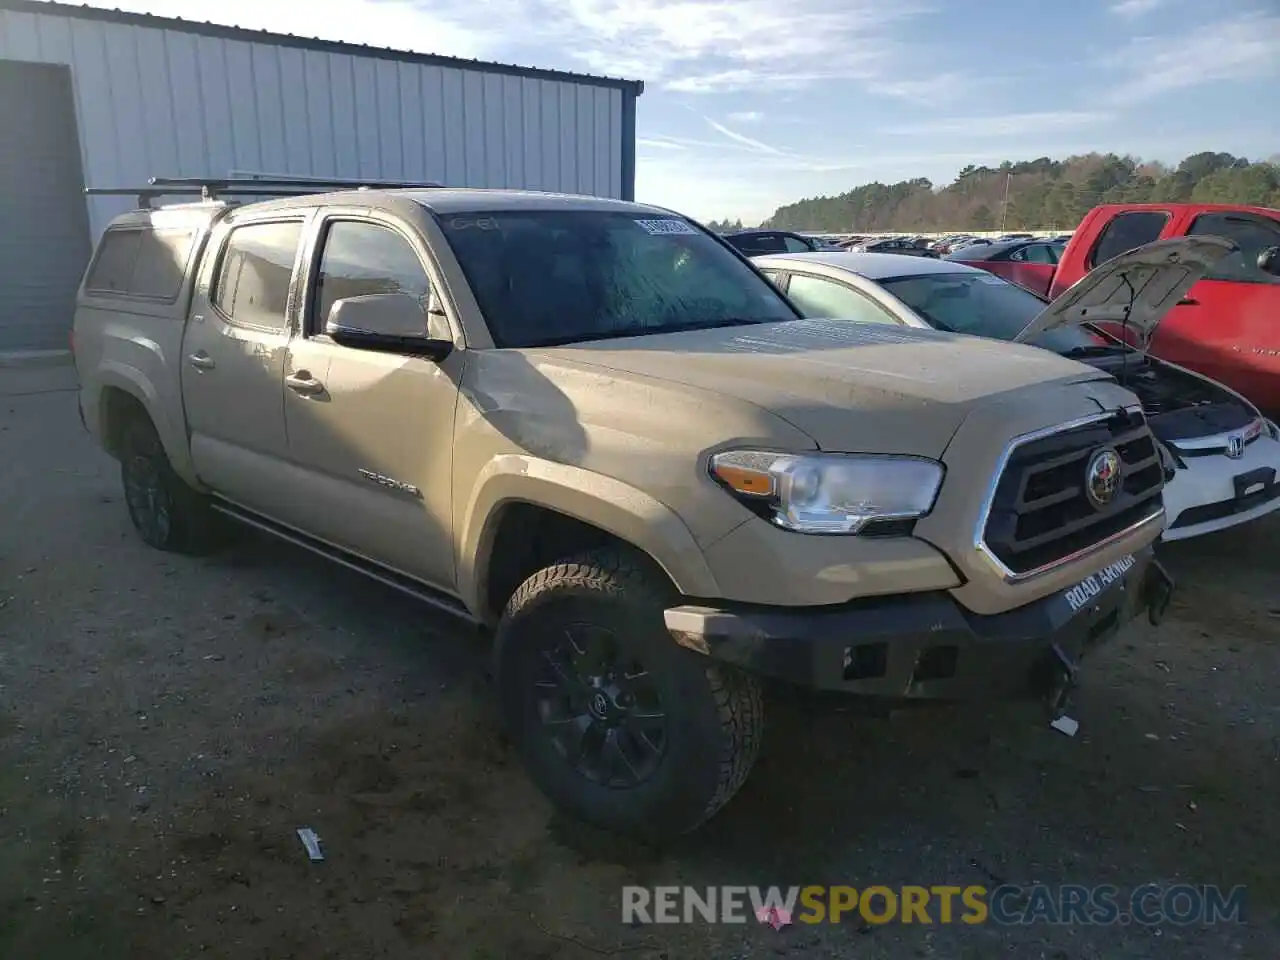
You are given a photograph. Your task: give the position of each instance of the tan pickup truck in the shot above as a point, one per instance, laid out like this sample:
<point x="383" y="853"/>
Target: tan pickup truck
<point x="594" y="427"/>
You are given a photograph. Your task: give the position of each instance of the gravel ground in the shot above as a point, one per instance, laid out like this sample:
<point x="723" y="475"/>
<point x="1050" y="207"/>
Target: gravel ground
<point x="166" y="724"/>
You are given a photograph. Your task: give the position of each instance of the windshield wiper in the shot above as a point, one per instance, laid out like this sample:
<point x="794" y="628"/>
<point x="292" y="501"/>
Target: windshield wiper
<point x="1095" y="350"/>
<point x="627" y="332"/>
<point x="712" y="324"/>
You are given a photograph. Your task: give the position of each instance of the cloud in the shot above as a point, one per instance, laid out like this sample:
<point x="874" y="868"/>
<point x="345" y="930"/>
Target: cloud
<point x="744" y="140"/>
<point x="1243" y="48"/>
<point x="1132" y="9"/>
<point x="689" y="46"/>
<point x="702" y="46"/>
<point x="733" y="149"/>
<point x="661" y="143"/>
<point x="693" y="46"/>
<point x="401" y="24"/>
<point x="746" y="116"/>
<point x="732" y="143"/>
<point x="933" y="90"/>
<point x="1022" y="125"/>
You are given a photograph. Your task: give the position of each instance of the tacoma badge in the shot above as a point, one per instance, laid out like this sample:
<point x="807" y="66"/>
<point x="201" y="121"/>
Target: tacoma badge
<point x="392" y="483"/>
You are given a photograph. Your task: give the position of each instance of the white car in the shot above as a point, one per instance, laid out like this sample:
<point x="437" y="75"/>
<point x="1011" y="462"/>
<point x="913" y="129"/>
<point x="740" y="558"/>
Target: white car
<point x="1222" y="457"/>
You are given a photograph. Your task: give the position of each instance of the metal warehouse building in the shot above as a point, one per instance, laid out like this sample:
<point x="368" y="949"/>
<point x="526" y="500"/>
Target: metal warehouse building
<point x="95" y="97"/>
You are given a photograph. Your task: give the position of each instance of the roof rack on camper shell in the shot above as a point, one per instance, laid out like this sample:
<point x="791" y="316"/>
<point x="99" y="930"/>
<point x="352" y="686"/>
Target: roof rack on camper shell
<point x="254" y="186"/>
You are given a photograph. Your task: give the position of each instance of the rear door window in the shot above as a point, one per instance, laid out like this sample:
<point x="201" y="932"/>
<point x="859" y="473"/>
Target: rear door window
<point x="255" y="275"/>
<point x="1252" y="234"/>
<point x="1126" y="231"/>
<point x="795" y="245"/>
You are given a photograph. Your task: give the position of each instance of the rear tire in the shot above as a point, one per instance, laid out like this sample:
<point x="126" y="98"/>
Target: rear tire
<point x="167" y="513"/>
<point x="616" y="723"/>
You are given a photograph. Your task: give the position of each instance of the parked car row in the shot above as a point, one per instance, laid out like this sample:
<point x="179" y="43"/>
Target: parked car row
<point x="956" y="242"/>
<point x="908" y="246"/>
<point x="1029" y="263"/>
<point x="758" y="242"/>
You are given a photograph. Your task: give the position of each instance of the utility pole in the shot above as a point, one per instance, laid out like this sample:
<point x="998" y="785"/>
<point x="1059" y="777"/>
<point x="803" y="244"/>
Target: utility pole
<point x="1004" y="206"/>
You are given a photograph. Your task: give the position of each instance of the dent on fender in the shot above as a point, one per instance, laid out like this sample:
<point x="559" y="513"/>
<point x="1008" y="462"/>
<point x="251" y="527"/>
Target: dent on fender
<point x="593" y="498"/>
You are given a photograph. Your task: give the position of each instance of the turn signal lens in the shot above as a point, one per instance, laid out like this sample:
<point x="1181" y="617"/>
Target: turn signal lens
<point x="744" y="480"/>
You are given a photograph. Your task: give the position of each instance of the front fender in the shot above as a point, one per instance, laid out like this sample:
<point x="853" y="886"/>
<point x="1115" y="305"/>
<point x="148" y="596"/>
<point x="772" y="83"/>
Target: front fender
<point x="595" y="499"/>
<point x="173" y="435"/>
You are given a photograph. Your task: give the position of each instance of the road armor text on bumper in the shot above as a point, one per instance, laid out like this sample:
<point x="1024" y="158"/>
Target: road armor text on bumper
<point x="926" y="646"/>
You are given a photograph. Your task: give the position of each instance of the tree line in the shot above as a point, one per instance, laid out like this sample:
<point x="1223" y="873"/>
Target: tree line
<point x="1031" y="195"/>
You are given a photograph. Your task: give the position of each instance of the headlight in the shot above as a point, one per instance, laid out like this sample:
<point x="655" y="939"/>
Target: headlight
<point x="829" y="493"/>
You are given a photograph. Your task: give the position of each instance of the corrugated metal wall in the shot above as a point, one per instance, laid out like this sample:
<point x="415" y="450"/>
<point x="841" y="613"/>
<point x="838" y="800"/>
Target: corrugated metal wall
<point x="158" y="102"/>
<point x="44" y="228"/>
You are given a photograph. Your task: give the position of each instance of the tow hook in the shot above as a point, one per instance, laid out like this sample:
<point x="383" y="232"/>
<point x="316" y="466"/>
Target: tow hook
<point x="1062" y="683"/>
<point x="1157" y="592"/>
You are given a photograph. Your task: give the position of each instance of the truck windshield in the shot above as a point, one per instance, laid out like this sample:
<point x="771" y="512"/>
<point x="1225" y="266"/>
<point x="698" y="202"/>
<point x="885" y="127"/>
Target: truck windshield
<point x="984" y="305"/>
<point x="544" y="277"/>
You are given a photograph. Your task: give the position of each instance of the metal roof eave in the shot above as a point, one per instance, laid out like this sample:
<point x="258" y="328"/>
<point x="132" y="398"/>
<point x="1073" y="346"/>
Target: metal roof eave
<point x="221" y="31"/>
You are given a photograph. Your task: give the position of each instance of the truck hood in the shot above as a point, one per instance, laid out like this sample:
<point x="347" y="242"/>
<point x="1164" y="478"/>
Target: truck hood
<point x="1143" y="284"/>
<point x="850" y="386"/>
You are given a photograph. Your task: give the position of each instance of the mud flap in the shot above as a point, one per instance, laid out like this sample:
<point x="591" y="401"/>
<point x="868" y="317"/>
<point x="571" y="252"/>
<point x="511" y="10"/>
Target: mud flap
<point x="1062" y="682"/>
<point x="1157" y="592"/>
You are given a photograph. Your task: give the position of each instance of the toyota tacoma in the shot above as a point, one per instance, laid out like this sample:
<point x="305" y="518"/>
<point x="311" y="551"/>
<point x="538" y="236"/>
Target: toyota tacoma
<point x="595" y="429"/>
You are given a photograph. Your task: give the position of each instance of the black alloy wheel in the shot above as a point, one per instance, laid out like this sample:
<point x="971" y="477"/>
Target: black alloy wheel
<point x="600" y="708"/>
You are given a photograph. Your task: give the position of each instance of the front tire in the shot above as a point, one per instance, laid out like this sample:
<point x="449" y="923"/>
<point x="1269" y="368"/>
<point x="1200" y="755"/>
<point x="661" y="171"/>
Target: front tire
<point x="617" y="724"/>
<point x="167" y="513"/>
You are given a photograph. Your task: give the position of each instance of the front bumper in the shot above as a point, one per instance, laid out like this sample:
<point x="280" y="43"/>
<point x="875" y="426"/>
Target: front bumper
<point x="926" y="646"/>
<point x="1216" y="492"/>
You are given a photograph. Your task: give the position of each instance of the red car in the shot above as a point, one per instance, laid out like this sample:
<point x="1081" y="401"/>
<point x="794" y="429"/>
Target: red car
<point x="1028" y="263"/>
<point x="1227" y="327"/>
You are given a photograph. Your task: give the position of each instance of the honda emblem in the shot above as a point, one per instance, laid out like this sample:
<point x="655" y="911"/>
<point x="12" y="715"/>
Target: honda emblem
<point x="1235" y="446"/>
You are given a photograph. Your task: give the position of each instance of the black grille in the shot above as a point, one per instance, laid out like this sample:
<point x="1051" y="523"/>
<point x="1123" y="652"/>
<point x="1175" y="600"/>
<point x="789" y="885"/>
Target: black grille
<point x="1040" y="512"/>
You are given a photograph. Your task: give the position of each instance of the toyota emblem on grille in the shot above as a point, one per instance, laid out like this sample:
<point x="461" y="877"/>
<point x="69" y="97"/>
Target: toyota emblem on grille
<point x="1235" y="446"/>
<point x="1102" y="478"/>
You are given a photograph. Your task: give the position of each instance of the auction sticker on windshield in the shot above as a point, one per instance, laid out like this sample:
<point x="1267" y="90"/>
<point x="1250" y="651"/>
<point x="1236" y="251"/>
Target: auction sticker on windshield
<point x="1084" y="592"/>
<point x="667" y="227"/>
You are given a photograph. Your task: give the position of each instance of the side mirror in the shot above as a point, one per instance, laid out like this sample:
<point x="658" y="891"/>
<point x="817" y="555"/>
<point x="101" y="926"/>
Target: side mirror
<point x="386" y="323"/>
<point x="1269" y="261"/>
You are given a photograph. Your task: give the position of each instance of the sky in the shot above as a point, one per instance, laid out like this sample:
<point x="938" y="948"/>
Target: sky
<point x="749" y="104"/>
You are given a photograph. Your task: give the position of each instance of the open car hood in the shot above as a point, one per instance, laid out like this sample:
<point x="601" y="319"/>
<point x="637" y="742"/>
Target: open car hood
<point x="1145" y="283"/>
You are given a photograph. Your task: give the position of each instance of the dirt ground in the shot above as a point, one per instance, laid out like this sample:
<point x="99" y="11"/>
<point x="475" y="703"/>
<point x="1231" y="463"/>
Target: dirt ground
<point x="166" y="725"/>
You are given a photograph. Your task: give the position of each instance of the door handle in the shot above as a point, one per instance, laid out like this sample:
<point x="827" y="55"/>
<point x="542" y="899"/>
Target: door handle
<point x="1188" y="302"/>
<point x="302" y="382"/>
<point x="201" y="361"/>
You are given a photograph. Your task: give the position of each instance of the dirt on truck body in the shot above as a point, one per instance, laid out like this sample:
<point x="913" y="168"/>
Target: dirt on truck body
<point x="595" y="429"/>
